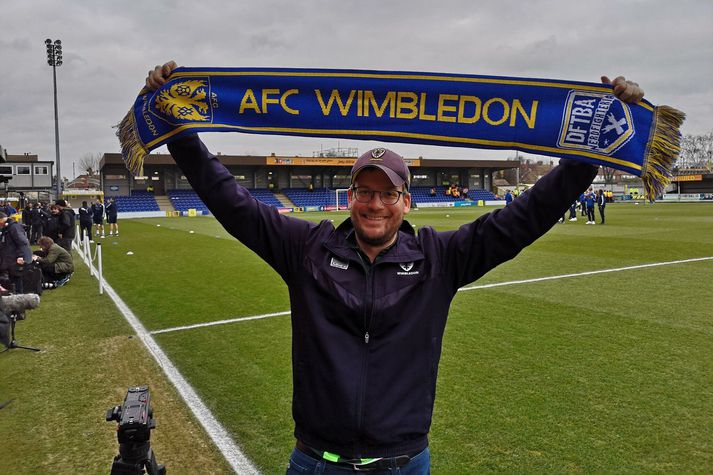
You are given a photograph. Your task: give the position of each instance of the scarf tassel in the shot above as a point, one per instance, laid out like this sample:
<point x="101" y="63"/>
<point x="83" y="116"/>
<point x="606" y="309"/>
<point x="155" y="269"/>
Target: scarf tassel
<point x="662" y="150"/>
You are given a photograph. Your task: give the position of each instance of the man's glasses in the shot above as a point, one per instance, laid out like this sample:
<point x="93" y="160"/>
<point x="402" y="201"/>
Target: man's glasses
<point x="365" y="195"/>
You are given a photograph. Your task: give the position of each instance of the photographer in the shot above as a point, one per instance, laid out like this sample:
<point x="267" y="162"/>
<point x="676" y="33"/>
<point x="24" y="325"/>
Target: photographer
<point x="56" y="263"/>
<point x="14" y="251"/>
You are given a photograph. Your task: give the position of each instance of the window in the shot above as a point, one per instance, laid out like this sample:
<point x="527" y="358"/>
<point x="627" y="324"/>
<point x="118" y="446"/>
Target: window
<point x="5" y="170"/>
<point x="42" y="170"/>
<point x="23" y="169"/>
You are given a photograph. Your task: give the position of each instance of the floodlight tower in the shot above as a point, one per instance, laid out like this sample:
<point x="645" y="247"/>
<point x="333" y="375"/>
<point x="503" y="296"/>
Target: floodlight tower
<point x="54" y="59"/>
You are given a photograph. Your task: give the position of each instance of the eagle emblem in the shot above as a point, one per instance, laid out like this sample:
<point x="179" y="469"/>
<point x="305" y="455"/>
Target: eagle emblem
<point x="184" y="100"/>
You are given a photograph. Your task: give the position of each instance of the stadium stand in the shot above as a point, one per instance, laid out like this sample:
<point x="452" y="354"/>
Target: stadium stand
<point x="266" y="196"/>
<point x="138" y="201"/>
<point x="183" y="200"/>
<point x="319" y="197"/>
<point x="422" y="194"/>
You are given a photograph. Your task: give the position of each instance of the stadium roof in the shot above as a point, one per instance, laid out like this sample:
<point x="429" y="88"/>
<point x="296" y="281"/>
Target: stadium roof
<point x="262" y="160"/>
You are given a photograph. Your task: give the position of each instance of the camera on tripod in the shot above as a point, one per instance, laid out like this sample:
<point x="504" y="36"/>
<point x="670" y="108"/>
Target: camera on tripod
<point x="135" y="419"/>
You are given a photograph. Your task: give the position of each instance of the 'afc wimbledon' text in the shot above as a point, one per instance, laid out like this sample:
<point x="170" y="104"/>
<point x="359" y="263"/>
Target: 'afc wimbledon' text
<point x="461" y="109"/>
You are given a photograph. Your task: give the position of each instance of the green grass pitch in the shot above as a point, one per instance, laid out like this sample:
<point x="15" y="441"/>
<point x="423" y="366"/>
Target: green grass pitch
<point x="609" y="372"/>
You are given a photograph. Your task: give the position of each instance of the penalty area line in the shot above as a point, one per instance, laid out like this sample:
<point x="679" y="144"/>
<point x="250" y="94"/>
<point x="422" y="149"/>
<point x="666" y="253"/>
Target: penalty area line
<point x="219" y="322"/>
<point x="462" y="289"/>
<point x="583" y="274"/>
<point x="218" y="434"/>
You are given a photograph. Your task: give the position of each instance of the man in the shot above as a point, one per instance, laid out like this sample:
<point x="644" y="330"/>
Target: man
<point x="111" y="215"/>
<point x="98" y="216"/>
<point x="66" y="225"/>
<point x="508" y="198"/>
<point x="589" y="199"/>
<point x="14" y="251"/>
<point x="601" y="203"/>
<point x="56" y="263"/>
<point x="85" y="221"/>
<point x="51" y="225"/>
<point x="369" y="299"/>
<point x="37" y="221"/>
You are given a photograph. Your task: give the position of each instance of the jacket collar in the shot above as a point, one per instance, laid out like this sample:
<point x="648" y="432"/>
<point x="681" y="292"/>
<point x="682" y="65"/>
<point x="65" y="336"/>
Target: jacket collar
<point x="406" y="248"/>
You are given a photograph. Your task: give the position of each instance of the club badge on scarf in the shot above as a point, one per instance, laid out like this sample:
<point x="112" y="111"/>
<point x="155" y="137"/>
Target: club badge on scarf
<point x="578" y="120"/>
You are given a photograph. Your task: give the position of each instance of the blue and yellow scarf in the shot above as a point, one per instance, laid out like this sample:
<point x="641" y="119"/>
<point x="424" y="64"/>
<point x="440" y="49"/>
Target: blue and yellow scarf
<point x="584" y="121"/>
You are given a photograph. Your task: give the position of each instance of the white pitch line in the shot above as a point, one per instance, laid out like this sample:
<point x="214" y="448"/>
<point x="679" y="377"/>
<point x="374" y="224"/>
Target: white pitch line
<point x="232" y="453"/>
<point x="219" y="322"/>
<point x="580" y="274"/>
<point x="462" y="289"/>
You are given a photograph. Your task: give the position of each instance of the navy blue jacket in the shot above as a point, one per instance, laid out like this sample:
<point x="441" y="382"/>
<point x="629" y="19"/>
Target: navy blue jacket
<point x="366" y="339"/>
<point x="110" y="210"/>
<point x="13" y="244"/>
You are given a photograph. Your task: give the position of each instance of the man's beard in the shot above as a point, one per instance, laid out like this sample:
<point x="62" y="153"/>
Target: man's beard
<point x="374" y="241"/>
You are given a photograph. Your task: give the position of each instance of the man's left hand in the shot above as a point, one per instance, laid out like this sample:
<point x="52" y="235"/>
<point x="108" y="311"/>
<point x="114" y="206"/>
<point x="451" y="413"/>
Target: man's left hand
<point x="627" y="91"/>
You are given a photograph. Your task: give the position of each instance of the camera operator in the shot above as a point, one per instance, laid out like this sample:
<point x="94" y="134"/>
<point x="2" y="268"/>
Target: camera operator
<point x="14" y="251"/>
<point x="55" y="262"/>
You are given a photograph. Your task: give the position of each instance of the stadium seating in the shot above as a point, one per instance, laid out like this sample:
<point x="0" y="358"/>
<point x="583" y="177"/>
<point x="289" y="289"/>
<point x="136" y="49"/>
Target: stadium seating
<point x="183" y="200"/>
<point x="302" y="197"/>
<point x="266" y="196"/>
<point x="422" y="194"/>
<point x="138" y="201"/>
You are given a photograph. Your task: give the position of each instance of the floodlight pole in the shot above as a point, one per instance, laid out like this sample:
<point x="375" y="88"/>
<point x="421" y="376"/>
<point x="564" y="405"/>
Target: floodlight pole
<point x="54" y="59"/>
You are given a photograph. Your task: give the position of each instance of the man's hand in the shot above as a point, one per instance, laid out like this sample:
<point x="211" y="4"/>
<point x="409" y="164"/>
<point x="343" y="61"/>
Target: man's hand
<point x="158" y="75"/>
<point x="627" y="91"/>
<point x="20" y="260"/>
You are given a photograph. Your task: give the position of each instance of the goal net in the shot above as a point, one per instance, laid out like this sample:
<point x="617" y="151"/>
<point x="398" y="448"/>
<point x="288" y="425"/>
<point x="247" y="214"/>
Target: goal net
<point x="341" y="199"/>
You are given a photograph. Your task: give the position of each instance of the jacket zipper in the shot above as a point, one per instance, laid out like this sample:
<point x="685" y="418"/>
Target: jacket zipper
<point x="368" y="314"/>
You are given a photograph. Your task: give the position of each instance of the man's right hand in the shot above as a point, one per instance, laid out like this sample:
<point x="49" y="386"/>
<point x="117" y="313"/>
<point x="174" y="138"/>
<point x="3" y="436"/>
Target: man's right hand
<point x="157" y="76"/>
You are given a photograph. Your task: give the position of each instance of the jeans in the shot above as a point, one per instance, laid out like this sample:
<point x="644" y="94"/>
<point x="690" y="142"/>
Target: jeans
<point x="302" y="463"/>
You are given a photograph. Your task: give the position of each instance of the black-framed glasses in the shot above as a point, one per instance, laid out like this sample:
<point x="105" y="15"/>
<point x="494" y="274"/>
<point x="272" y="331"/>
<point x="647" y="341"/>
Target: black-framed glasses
<point x="365" y="195"/>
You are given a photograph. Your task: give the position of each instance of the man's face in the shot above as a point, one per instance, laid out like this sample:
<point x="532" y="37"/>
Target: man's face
<point x="375" y="223"/>
<point x="54" y="210"/>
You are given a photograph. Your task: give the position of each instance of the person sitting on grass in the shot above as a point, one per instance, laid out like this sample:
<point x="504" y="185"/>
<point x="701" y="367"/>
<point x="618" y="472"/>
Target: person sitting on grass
<point x="55" y="262"/>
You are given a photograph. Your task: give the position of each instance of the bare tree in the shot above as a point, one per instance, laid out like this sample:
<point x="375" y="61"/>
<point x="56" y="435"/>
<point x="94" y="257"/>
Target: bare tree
<point x="89" y="163"/>
<point x="696" y="152"/>
<point x="608" y="173"/>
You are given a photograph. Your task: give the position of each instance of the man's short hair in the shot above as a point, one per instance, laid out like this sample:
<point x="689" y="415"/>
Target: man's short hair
<point x="2" y="215"/>
<point x="45" y="241"/>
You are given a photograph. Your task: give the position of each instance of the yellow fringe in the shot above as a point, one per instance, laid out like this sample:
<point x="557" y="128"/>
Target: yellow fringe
<point x="132" y="149"/>
<point x="662" y="150"/>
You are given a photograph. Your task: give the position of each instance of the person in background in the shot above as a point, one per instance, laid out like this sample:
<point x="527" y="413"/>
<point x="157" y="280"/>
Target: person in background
<point x="37" y="219"/>
<point x="98" y="216"/>
<point x="85" y="221"/>
<point x="55" y="262"/>
<point x="14" y="251"/>
<point x="27" y="219"/>
<point x="573" y="211"/>
<point x="508" y="197"/>
<point x="111" y="216"/>
<point x="589" y="199"/>
<point x="66" y="225"/>
<point x="601" y="203"/>
<point x="51" y="224"/>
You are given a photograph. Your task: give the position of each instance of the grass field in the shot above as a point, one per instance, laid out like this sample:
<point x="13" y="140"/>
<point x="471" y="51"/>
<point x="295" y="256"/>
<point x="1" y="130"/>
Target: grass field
<point x="609" y="372"/>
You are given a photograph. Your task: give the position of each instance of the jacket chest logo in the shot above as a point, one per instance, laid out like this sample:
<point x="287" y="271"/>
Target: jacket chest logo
<point x="406" y="267"/>
<point x="339" y="264"/>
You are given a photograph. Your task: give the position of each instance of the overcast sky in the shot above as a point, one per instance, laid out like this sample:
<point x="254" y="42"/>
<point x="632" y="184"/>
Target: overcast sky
<point x="108" y="47"/>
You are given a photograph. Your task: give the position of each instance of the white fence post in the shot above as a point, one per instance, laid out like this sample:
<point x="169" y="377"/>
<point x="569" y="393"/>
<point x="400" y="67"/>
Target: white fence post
<point x="99" y="266"/>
